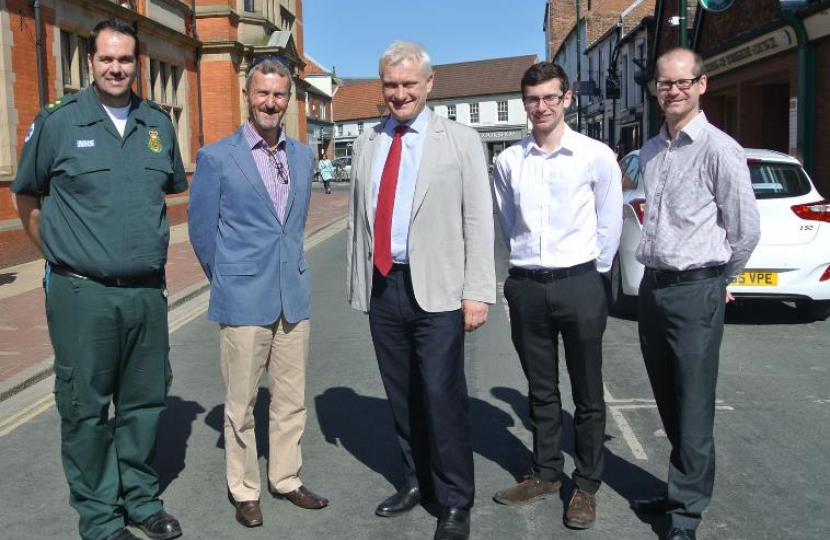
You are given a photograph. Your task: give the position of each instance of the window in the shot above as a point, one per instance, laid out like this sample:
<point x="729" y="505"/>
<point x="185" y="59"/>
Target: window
<point x="501" y="109"/>
<point x="474" y="119"/>
<point x="360" y="127"/>
<point x="451" y="112"/>
<point x="339" y="130"/>
<point x="286" y="19"/>
<point x="165" y="89"/>
<point x="74" y="67"/>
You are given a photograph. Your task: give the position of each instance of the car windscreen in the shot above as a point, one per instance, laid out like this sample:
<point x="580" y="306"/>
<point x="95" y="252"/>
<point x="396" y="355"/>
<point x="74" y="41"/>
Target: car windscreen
<point x="778" y="180"/>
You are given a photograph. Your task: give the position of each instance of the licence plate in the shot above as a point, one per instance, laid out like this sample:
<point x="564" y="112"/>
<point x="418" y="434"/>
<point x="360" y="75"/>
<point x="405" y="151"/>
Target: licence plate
<point x="755" y="279"/>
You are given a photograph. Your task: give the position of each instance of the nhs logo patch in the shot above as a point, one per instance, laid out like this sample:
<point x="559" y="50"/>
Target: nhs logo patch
<point x="85" y="144"/>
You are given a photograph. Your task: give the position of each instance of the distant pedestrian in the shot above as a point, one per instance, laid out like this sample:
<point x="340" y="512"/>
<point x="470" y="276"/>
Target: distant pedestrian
<point x="560" y="203"/>
<point x="90" y="192"/>
<point x="420" y="262"/>
<point x="326" y="170"/>
<point x="247" y="217"/>
<point x="701" y="225"/>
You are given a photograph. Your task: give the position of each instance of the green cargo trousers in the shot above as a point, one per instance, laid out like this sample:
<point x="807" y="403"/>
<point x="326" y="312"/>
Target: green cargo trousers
<point x="111" y="347"/>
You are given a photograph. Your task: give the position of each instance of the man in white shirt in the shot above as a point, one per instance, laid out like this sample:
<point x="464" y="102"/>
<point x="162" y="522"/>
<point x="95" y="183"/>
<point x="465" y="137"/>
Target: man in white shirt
<point x="560" y="202"/>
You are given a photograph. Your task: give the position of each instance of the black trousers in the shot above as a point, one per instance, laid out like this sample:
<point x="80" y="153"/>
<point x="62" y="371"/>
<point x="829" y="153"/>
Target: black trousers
<point x="421" y="361"/>
<point x="681" y="328"/>
<point x="574" y="307"/>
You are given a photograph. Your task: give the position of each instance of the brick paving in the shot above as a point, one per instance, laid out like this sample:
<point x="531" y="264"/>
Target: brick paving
<point x="24" y="338"/>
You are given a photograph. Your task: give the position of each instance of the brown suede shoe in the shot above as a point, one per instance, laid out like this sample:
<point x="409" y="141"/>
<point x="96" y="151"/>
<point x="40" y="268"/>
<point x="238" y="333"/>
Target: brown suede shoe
<point x="582" y="510"/>
<point x="248" y="513"/>
<point x="305" y="498"/>
<point x="528" y="490"/>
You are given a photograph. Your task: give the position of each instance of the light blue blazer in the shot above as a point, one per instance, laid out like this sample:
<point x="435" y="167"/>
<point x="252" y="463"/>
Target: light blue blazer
<point x="255" y="263"/>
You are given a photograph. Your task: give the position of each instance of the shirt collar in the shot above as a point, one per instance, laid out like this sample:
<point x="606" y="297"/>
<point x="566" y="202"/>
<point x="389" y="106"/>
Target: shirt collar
<point x="692" y="130"/>
<point x="567" y="142"/>
<point x="418" y="125"/>
<point x="255" y="140"/>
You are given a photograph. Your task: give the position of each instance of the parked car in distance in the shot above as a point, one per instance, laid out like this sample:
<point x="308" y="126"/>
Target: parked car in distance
<point x="342" y="168"/>
<point x="792" y="259"/>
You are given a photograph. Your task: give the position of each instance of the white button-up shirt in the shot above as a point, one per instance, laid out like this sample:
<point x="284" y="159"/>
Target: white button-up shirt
<point x="562" y="208"/>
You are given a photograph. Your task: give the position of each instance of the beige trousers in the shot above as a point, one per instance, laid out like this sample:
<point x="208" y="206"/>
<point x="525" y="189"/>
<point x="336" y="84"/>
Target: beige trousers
<point x="246" y="352"/>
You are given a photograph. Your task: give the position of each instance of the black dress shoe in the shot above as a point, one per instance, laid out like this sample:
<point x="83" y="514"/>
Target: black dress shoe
<point x="454" y="524"/>
<point x="681" y="534"/>
<point x="161" y="526"/>
<point x="403" y="501"/>
<point x="121" y="534"/>
<point x="654" y="505"/>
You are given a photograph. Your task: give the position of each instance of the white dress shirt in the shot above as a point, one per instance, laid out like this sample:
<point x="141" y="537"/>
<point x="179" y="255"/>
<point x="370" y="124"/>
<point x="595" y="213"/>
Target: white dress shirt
<point x="562" y="208"/>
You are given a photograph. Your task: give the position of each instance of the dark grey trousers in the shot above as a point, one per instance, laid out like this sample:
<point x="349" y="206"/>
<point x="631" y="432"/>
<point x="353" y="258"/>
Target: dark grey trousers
<point x="681" y="327"/>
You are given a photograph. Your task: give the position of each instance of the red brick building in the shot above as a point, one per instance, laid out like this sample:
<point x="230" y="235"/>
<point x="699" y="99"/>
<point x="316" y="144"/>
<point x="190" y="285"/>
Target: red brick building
<point x="193" y="59"/>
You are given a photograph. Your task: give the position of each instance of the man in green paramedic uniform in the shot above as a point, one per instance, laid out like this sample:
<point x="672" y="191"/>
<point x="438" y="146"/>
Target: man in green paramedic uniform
<point x="90" y="192"/>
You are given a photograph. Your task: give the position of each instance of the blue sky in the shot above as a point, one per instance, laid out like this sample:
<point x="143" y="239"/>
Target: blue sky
<point x="352" y="34"/>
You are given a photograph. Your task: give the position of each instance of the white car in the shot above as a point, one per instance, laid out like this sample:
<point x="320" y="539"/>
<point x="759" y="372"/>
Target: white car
<point x="792" y="259"/>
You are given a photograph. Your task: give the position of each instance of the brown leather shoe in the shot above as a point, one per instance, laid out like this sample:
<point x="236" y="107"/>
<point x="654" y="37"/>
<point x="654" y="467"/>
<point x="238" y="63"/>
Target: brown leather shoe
<point x="528" y="490"/>
<point x="248" y="513"/>
<point x="582" y="510"/>
<point x="305" y="498"/>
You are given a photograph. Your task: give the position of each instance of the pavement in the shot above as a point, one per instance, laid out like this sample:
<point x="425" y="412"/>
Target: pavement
<point x="26" y="354"/>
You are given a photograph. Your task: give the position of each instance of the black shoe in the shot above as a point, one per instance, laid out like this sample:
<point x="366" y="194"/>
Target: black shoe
<point x="121" y="534"/>
<point x="161" y="526"/>
<point x="654" y="505"/>
<point x="681" y="534"/>
<point x="454" y="524"/>
<point x="403" y="501"/>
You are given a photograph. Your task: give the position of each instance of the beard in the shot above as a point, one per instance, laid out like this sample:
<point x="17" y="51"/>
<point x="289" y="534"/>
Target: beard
<point x="263" y="122"/>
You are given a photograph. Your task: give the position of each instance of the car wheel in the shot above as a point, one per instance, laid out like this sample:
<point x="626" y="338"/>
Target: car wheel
<point x="621" y="303"/>
<point x="815" y="310"/>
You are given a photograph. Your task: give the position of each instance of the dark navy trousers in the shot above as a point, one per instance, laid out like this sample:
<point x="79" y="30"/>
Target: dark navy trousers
<point x="421" y="361"/>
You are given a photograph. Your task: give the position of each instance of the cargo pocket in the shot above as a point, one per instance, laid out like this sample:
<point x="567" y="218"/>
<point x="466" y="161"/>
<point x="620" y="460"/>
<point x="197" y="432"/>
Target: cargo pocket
<point x="65" y="399"/>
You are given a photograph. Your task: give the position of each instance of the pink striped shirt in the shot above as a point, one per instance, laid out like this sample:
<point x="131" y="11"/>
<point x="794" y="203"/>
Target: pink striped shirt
<point x="272" y="167"/>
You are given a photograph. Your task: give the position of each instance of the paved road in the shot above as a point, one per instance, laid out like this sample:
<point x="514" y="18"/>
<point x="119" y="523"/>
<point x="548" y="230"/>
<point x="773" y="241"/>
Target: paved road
<point x="772" y="433"/>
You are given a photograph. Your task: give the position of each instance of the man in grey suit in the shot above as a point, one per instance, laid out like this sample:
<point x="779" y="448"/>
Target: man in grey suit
<point x="420" y="262"/>
<point x="247" y="216"/>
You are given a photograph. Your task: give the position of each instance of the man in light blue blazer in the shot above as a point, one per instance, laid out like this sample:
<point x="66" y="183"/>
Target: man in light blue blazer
<point x="247" y="217"/>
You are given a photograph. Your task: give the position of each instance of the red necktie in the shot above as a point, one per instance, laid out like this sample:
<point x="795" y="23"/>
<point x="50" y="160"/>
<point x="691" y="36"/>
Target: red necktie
<point x="386" y="203"/>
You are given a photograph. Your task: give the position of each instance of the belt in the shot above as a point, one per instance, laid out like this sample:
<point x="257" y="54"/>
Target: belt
<point x="663" y="278"/>
<point x="546" y="275"/>
<point x="150" y="280"/>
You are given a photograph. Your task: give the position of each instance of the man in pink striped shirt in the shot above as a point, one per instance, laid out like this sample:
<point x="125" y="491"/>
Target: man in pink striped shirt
<point x="247" y="215"/>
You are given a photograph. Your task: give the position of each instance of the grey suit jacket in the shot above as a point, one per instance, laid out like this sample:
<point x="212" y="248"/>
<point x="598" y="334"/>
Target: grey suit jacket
<point x="451" y="227"/>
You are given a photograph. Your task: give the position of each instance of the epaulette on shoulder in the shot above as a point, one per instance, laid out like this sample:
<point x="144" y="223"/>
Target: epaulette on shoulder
<point x="157" y="107"/>
<point x="58" y="103"/>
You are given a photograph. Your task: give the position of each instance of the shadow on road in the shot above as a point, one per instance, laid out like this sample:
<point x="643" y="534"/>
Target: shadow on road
<point x="362" y="425"/>
<point x="8" y="278"/>
<point x="175" y="427"/>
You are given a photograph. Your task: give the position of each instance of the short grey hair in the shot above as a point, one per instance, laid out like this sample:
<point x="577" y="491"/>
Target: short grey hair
<point x="400" y="51"/>
<point x="268" y="65"/>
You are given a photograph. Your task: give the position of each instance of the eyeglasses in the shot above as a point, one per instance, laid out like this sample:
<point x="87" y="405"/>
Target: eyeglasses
<point x="268" y="57"/>
<point x="534" y="101"/>
<point x="282" y="174"/>
<point x="682" y="84"/>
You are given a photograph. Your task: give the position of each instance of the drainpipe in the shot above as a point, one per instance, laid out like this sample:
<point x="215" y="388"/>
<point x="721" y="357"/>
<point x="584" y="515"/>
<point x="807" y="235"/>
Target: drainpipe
<point x="41" y="78"/>
<point x="198" y="77"/>
<point x="806" y="94"/>
<point x="683" y="12"/>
